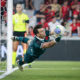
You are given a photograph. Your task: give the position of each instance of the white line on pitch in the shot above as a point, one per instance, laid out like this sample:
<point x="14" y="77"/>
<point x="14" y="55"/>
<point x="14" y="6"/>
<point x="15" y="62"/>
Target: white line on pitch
<point x="52" y="68"/>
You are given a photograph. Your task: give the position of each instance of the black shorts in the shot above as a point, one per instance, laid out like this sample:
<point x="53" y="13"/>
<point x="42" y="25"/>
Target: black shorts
<point x="18" y="34"/>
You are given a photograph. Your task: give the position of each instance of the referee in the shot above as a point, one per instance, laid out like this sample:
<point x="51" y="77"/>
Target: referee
<point x="20" y="28"/>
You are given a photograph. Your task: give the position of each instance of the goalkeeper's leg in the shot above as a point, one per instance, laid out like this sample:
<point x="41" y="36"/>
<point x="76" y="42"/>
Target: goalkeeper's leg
<point x="19" y="57"/>
<point x="25" y="47"/>
<point x="27" y="59"/>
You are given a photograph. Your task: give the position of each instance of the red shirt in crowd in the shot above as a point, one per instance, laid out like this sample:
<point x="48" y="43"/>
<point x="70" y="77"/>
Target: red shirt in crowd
<point x="75" y="12"/>
<point x="74" y="27"/>
<point x="49" y="15"/>
<point x="3" y="3"/>
<point x="45" y="25"/>
<point x="73" y="3"/>
<point x="78" y="24"/>
<point x="65" y="11"/>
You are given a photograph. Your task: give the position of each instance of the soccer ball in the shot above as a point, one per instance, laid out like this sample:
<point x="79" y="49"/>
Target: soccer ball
<point x="59" y="30"/>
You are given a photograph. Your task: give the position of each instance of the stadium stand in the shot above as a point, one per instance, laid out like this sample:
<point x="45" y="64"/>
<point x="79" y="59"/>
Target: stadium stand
<point x="65" y="11"/>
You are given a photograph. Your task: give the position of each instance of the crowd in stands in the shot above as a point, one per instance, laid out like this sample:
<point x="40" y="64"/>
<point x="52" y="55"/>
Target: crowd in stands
<point x="65" y="12"/>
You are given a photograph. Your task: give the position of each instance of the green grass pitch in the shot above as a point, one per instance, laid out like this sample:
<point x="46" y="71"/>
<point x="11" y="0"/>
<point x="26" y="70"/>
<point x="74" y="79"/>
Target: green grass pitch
<point x="48" y="70"/>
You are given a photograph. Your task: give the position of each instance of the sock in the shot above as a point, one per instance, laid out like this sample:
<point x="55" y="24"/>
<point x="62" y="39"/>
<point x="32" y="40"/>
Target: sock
<point x="13" y="58"/>
<point x="25" y="47"/>
<point x="24" y="52"/>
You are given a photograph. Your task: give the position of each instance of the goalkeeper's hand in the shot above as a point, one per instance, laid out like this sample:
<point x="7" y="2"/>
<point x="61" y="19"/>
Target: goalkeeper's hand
<point x="58" y="38"/>
<point x="17" y="38"/>
<point x="14" y="38"/>
<point x="22" y="39"/>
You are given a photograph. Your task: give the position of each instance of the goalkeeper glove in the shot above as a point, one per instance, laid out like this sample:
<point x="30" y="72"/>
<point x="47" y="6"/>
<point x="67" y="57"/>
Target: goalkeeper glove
<point x="17" y="38"/>
<point x="58" y="39"/>
<point x="25" y="40"/>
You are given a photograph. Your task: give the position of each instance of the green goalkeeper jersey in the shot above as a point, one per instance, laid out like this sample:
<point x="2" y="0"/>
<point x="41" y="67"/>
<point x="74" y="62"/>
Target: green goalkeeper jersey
<point x="34" y="50"/>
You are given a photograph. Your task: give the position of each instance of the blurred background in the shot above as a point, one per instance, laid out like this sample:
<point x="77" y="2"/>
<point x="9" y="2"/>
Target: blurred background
<point x="61" y="62"/>
<point x="67" y="13"/>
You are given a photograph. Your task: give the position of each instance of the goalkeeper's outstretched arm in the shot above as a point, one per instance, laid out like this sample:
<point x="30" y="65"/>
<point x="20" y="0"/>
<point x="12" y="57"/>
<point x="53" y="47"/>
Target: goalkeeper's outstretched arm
<point x="50" y="43"/>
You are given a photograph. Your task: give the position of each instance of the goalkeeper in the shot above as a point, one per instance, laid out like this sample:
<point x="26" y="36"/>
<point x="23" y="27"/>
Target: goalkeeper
<point x="36" y="47"/>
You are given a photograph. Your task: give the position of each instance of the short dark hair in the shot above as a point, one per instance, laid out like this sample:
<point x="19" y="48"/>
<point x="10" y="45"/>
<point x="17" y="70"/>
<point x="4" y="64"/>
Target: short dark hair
<point x="35" y="30"/>
<point x="18" y="3"/>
